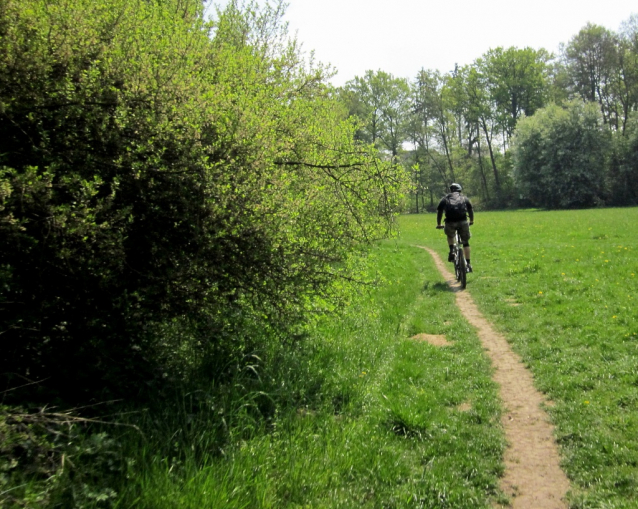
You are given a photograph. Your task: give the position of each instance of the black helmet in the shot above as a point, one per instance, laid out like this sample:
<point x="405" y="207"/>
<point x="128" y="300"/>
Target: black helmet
<point x="455" y="187"/>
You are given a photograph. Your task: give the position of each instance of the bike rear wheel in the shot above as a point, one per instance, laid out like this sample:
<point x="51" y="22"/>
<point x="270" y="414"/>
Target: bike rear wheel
<point x="462" y="269"/>
<point x="460" y="264"/>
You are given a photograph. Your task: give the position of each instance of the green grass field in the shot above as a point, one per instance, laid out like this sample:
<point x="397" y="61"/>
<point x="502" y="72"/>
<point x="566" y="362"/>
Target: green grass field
<point x="562" y="287"/>
<point x="367" y="417"/>
<point x="372" y="418"/>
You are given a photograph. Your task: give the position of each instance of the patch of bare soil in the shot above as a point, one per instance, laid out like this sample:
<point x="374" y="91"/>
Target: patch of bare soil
<point x="466" y="406"/>
<point x="433" y="339"/>
<point x="533" y="478"/>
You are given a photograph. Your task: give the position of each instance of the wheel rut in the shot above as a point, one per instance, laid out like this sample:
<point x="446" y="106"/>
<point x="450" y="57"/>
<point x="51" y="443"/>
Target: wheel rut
<point x="533" y="478"/>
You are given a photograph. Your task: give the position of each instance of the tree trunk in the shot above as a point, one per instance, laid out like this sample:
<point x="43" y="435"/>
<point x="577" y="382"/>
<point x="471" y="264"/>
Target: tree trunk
<point x="483" y="177"/>
<point x="448" y="157"/>
<point x="489" y="146"/>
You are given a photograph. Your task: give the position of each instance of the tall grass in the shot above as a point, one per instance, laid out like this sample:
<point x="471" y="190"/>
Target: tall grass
<point x="562" y="286"/>
<point x="361" y="415"/>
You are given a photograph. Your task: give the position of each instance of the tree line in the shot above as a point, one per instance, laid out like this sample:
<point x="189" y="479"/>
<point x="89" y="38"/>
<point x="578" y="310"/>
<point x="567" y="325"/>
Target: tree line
<point x="518" y="127"/>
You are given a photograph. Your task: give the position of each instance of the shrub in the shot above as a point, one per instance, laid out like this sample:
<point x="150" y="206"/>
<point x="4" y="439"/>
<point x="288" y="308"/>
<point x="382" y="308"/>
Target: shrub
<point x="157" y="170"/>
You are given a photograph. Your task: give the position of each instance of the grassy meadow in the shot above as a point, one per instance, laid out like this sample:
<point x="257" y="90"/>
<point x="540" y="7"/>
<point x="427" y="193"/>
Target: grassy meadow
<point x="358" y="414"/>
<point x="365" y="416"/>
<point x="562" y="286"/>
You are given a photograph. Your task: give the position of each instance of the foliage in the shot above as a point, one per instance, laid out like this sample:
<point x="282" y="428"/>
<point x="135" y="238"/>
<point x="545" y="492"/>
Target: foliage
<point x="433" y="126"/>
<point x="50" y="458"/>
<point x="156" y="169"/>
<point x="379" y="101"/>
<point x="517" y="82"/>
<point x="559" y="156"/>
<point x="591" y="60"/>
<point x="623" y="166"/>
<point x="602" y="67"/>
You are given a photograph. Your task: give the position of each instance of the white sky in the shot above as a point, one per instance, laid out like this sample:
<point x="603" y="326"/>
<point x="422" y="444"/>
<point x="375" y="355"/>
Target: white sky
<point x="402" y="36"/>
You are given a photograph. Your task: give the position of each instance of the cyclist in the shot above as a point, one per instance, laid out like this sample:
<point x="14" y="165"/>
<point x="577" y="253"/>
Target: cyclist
<point x="457" y="208"/>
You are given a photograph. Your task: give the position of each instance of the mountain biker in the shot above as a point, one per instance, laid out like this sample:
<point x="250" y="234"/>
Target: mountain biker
<point x="457" y="208"/>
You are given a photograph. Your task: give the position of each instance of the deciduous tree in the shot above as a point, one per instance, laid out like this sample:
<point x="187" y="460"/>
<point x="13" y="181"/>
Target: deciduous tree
<point x="380" y="102"/>
<point x="591" y="58"/>
<point x="559" y="156"/>
<point x="516" y="81"/>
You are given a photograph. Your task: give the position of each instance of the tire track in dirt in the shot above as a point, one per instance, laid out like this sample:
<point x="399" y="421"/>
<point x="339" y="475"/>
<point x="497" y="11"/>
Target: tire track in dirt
<point x="533" y="478"/>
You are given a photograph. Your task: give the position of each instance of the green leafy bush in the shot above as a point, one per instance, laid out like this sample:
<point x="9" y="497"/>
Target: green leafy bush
<point x="50" y="458"/>
<point x="560" y="156"/>
<point x="160" y="173"/>
<point x="623" y="166"/>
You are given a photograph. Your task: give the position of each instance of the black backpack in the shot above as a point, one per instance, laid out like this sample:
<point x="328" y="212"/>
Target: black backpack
<point x="455" y="207"/>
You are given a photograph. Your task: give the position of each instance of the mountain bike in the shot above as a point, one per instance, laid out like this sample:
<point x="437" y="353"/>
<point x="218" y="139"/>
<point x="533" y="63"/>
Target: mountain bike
<point x="460" y="265"/>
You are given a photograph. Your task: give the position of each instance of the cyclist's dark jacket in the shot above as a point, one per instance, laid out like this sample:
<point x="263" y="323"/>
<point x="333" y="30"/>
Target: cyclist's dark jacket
<point x="441" y="208"/>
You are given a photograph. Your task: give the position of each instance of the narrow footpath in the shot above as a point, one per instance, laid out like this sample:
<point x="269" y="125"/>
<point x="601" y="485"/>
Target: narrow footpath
<point x="533" y="478"/>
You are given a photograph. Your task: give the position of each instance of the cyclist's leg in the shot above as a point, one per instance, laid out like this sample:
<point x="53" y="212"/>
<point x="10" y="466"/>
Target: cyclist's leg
<point x="464" y="231"/>
<point x="451" y="240"/>
<point x="450" y="231"/>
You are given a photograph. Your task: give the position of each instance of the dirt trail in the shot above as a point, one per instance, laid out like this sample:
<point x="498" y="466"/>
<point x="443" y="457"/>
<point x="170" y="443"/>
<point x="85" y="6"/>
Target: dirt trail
<point x="533" y="478"/>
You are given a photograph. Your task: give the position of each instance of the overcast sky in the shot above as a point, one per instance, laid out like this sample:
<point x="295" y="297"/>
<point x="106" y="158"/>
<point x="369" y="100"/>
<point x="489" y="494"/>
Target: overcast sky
<point x="402" y="36"/>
